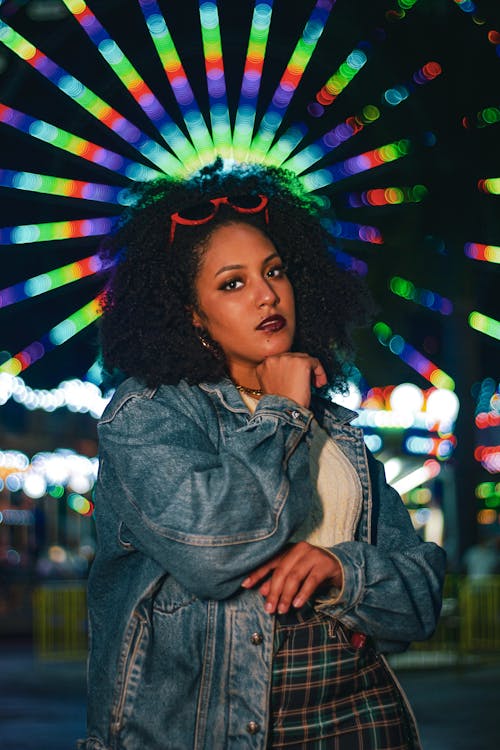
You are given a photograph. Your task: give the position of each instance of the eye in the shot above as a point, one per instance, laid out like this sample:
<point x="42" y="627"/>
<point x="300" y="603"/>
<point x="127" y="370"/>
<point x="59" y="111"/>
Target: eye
<point x="231" y="284"/>
<point x="277" y="271"/>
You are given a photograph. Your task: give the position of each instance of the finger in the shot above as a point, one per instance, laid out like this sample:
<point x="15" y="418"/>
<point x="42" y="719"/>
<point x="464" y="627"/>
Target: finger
<point x="293" y="585"/>
<point x="311" y="570"/>
<point x="307" y="589"/>
<point x="265" y="588"/>
<point x="290" y="573"/>
<point x="259" y="573"/>
<point x="256" y="576"/>
<point x="319" y="375"/>
<point x="325" y="571"/>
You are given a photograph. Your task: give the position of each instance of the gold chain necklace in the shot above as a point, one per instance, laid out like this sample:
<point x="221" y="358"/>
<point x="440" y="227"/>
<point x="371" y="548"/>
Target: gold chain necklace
<point x="255" y="392"/>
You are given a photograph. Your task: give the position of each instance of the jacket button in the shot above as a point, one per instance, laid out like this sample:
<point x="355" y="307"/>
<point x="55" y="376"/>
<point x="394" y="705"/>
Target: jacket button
<point x="256" y="639"/>
<point x="295" y="414"/>
<point x="253" y="727"/>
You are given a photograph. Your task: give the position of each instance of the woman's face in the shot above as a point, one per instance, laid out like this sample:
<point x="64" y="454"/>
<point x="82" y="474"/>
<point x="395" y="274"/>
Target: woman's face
<point x="245" y="300"/>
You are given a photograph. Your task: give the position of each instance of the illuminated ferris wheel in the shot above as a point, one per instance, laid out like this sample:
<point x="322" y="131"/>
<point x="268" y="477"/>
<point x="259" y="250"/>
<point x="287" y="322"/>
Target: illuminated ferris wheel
<point x="371" y="104"/>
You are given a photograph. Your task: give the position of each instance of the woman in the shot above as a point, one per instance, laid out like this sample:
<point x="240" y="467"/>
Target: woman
<point x="252" y="562"/>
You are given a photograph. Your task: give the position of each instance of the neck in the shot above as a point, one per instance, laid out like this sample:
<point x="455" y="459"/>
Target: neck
<point x="244" y="376"/>
<point x="253" y="392"/>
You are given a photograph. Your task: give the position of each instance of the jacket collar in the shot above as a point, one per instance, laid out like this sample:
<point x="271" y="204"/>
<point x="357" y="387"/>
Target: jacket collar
<point x="226" y="392"/>
<point x="231" y="399"/>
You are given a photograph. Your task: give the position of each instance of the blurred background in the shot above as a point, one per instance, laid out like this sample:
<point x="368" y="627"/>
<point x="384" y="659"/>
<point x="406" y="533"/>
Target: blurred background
<point x="388" y="110"/>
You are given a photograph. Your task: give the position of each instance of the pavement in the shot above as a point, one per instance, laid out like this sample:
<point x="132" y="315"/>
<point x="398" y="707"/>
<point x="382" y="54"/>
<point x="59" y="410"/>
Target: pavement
<point x="42" y="704"/>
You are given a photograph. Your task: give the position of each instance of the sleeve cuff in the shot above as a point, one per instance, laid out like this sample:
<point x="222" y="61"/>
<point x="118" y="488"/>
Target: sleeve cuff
<point x="284" y="408"/>
<point x="335" y="593"/>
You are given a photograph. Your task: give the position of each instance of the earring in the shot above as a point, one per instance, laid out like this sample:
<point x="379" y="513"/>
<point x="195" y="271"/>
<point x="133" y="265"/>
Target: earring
<point x="208" y="344"/>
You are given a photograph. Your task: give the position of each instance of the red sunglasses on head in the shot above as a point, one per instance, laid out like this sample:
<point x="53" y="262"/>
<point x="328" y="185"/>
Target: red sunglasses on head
<point x="204" y="212"/>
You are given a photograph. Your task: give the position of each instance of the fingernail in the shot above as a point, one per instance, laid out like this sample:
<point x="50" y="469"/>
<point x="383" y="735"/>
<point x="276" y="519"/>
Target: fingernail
<point x="246" y="583"/>
<point x="282" y="609"/>
<point x="297" y="602"/>
<point x="268" y="607"/>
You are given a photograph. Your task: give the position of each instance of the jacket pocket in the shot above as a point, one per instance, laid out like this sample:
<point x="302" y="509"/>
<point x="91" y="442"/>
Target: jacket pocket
<point x="129" y="670"/>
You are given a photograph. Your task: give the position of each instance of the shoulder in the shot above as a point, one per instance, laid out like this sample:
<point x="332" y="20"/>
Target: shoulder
<point x="133" y="397"/>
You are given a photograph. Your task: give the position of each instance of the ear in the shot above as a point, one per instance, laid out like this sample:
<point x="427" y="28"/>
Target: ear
<point x="196" y="318"/>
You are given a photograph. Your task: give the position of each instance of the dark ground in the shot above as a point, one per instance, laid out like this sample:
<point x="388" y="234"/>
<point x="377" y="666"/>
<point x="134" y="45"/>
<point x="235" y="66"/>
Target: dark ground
<point x="42" y="704"/>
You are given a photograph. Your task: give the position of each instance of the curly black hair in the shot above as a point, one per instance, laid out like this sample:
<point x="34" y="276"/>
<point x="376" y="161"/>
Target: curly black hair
<point x="146" y="329"/>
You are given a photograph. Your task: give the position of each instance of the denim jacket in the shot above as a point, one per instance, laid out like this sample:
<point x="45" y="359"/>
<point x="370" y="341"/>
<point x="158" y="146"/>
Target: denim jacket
<point x="193" y="493"/>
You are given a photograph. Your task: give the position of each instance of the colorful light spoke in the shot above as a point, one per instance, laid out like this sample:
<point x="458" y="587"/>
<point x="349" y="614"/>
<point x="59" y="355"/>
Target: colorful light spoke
<point x="389" y="196"/>
<point x="466" y="5"/>
<point x="433" y="301"/>
<point x="483" y="118"/>
<point x="477" y="251"/>
<point x="349" y="262"/>
<point x="356" y="164"/>
<point x="351" y="66"/>
<point x="291" y="78"/>
<point x="484" y="324"/>
<point x="86" y="98"/>
<point x="347" y="129"/>
<point x="413" y="358"/>
<point x="323" y="146"/>
<point x="50" y="280"/>
<point x="181" y="88"/>
<point x="348" y="230"/>
<point x="490" y="185"/>
<point x="252" y="74"/>
<point x="216" y="81"/>
<point x="73" y="144"/>
<point x="55" y="230"/>
<point x="42" y="183"/>
<point x="58" y="335"/>
<point x="128" y="75"/>
<point x="400" y="92"/>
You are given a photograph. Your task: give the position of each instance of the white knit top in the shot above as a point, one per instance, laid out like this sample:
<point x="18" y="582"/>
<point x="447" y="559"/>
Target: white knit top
<point x="337" y="492"/>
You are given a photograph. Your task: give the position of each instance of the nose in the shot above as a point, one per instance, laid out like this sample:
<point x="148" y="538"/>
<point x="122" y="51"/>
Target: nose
<point x="265" y="294"/>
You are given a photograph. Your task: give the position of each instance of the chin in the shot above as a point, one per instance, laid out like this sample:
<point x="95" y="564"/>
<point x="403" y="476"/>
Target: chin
<point x="278" y="348"/>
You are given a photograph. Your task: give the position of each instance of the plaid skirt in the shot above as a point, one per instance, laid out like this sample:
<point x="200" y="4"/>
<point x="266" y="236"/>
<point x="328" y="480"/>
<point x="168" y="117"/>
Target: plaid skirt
<point x="328" y="694"/>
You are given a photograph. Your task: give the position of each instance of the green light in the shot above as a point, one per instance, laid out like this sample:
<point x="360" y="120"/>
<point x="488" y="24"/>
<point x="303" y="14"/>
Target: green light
<point x="284" y="147"/>
<point x="407" y="4"/>
<point x="441" y="380"/>
<point x="308" y="156"/>
<point x="382" y="332"/>
<point x="370" y="113"/>
<point x="75" y="322"/>
<point x="56" y="491"/>
<point x="79" y="504"/>
<point x="402" y="287"/>
<point x="484" y="324"/>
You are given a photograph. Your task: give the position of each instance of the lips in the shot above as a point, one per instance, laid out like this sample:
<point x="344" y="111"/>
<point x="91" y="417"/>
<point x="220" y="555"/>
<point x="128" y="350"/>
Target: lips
<point x="272" y="324"/>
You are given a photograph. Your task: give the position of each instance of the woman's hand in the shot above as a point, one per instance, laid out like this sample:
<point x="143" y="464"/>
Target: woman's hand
<point x="296" y="573"/>
<point x="291" y="375"/>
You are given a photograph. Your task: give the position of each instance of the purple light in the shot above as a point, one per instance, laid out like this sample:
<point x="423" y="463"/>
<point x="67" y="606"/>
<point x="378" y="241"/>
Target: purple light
<point x="315" y="109"/>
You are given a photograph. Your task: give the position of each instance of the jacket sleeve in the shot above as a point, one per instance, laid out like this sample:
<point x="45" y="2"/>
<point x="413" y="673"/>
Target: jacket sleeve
<point x="207" y="514"/>
<point x="392" y="588"/>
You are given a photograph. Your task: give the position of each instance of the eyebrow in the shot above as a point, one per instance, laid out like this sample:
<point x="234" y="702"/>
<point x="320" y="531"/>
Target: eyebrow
<point x="239" y="267"/>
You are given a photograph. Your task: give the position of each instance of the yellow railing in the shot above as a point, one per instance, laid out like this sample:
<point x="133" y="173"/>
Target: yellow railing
<point x="60" y="620"/>
<point x="479" y="602"/>
<point x="469" y="624"/>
